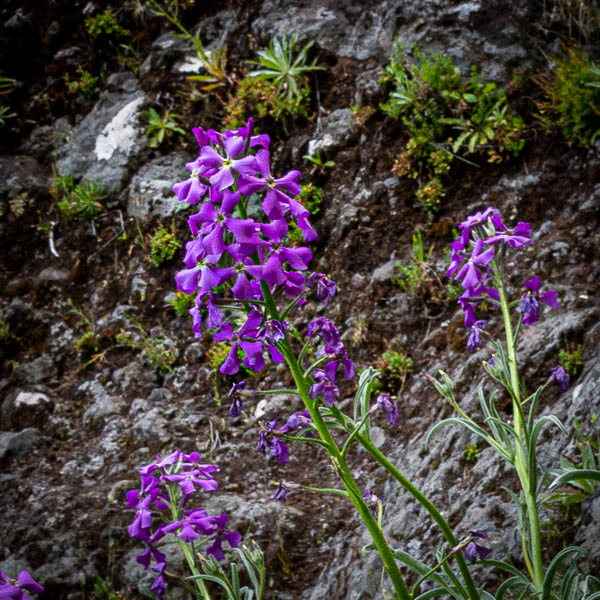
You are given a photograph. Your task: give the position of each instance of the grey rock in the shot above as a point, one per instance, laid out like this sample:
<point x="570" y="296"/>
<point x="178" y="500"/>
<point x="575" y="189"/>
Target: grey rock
<point x="37" y="370"/>
<point x="165" y="50"/>
<point x="51" y="275"/>
<point x="385" y="272"/>
<point x="151" y="427"/>
<point x="17" y="444"/>
<point x="103" y="405"/>
<point x="150" y="193"/>
<point x="337" y="132"/>
<point x="106" y="145"/>
<point x="20" y="174"/>
<point x="125" y="82"/>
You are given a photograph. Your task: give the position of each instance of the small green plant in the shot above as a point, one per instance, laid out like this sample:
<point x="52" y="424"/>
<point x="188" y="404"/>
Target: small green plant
<point x="161" y="128"/>
<point x="362" y="113"/>
<point x="163" y="245"/>
<point x="129" y="57"/>
<point x="420" y="278"/>
<point x="103" y="590"/>
<point x="471" y="453"/>
<point x="87" y="85"/>
<point x="76" y="201"/>
<point x="287" y="69"/>
<point x="396" y="366"/>
<point x="412" y="278"/>
<point x="445" y="114"/>
<point x="87" y="343"/>
<point x="571" y="361"/>
<point x="159" y="351"/>
<point x="105" y="23"/>
<point x="7" y="85"/>
<point x="571" y="98"/>
<point x="214" y="61"/>
<point x="320" y="162"/>
<point x="182" y="302"/>
<point x="259" y="98"/>
<point x="5" y="114"/>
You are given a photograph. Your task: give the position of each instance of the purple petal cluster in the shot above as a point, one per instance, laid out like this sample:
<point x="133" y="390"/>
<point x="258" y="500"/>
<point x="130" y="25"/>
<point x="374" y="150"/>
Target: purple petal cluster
<point x="385" y="402"/>
<point x="529" y="301"/>
<point x="325" y="383"/>
<point x="474" y="551"/>
<point x="561" y="377"/>
<point x="165" y="488"/>
<point x="280" y="494"/>
<point x="269" y="443"/>
<point x="482" y="236"/>
<point x="15" y="589"/>
<point x="233" y="255"/>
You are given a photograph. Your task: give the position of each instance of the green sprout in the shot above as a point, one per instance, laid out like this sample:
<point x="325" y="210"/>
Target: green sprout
<point x="161" y="128"/>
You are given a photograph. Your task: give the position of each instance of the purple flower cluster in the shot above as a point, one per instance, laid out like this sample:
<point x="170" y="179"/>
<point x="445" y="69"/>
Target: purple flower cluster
<point x="166" y="486"/>
<point x="269" y="443"/>
<point x="332" y="348"/>
<point x="483" y="237"/>
<point x="15" y="590"/>
<point x="561" y="377"/>
<point x="239" y="253"/>
<point x="389" y="407"/>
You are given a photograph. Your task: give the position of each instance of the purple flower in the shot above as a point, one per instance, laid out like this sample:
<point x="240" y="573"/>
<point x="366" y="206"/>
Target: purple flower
<point x="479" y="218"/>
<point x="326" y="288"/>
<point x="280" y="494"/>
<point x="469" y="273"/>
<point x="223" y="165"/>
<point x="561" y="377"/>
<point x="324" y="386"/>
<point x="298" y="420"/>
<point x="233" y="538"/>
<point x="474" y="551"/>
<point x="325" y="328"/>
<point x="159" y="586"/>
<point x="13" y="590"/>
<point x="474" y="339"/>
<point x="373" y="501"/>
<point x="390" y="408"/>
<point x="237" y="404"/>
<point x="529" y="304"/>
<point x="280" y="450"/>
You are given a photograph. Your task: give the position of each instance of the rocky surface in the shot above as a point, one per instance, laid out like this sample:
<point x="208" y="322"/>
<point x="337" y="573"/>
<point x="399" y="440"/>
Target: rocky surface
<point x="75" y="425"/>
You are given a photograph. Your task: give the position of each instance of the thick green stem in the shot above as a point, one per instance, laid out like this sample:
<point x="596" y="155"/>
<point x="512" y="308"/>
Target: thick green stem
<point x="534" y="562"/>
<point x="427" y="505"/>
<point x="338" y="460"/>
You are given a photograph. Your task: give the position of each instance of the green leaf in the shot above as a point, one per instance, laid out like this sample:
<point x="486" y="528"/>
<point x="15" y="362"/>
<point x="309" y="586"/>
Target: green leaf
<point x="576" y="475"/>
<point x="552" y="568"/>
<point x="470" y="98"/>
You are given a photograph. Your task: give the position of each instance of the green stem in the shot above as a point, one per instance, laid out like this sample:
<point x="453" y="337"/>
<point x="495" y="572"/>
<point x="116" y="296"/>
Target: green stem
<point x="534" y="563"/>
<point x="187" y="552"/>
<point x="427" y="505"/>
<point x="338" y="460"/>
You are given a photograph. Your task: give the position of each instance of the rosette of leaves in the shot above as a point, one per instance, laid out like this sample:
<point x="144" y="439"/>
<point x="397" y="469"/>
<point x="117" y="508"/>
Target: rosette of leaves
<point x="161" y="128"/>
<point x="281" y="65"/>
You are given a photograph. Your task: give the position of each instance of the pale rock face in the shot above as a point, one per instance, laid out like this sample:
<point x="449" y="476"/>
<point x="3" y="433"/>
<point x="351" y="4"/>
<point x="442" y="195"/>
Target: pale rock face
<point x="119" y="134"/>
